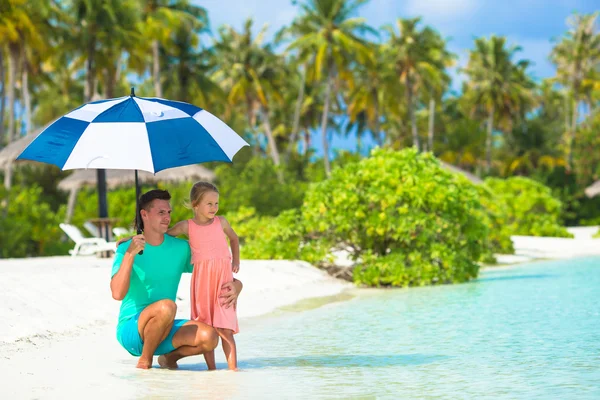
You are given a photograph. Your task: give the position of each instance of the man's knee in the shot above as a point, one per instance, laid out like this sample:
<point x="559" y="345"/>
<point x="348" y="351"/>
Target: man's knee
<point x="207" y="337"/>
<point x="166" y="307"/>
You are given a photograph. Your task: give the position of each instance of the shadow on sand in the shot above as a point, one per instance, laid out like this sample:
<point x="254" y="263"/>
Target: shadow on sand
<point x="328" y="361"/>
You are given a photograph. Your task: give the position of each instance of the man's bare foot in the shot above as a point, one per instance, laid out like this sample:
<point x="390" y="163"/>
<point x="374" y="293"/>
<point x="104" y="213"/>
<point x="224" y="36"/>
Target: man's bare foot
<point x="164" y="362"/>
<point x="144" y="364"/>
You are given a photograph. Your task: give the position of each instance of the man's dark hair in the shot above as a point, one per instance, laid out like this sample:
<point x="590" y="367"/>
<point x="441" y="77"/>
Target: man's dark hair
<point x="146" y="200"/>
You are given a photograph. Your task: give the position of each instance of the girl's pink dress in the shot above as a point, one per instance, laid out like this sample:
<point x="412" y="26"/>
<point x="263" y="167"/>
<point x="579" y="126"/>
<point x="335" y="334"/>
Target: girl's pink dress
<point x="212" y="268"/>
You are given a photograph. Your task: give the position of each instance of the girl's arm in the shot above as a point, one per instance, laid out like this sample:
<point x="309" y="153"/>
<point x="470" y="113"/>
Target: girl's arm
<point x="180" y="228"/>
<point x="234" y="242"/>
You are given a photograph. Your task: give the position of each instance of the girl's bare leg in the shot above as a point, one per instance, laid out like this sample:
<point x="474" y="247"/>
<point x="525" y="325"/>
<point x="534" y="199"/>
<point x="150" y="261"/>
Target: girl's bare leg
<point x="209" y="357"/>
<point x="229" y="347"/>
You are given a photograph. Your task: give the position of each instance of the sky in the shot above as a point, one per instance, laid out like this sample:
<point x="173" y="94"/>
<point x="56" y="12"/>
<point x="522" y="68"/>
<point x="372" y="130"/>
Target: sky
<point x="531" y="24"/>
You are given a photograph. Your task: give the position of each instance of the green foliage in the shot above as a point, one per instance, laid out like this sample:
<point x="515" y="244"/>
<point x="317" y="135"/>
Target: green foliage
<point x="255" y="184"/>
<point x="28" y="226"/>
<point x="400" y="207"/>
<point x="528" y="206"/>
<point x="497" y="215"/>
<point x="275" y="238"/>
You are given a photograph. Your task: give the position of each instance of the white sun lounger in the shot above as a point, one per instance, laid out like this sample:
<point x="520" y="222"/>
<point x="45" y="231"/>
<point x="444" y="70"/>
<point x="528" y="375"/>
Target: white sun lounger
<point x="86" y="246"/>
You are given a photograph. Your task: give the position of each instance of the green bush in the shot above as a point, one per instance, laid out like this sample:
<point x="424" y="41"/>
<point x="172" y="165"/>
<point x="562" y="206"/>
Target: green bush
<point x="255" y="184"/>
<point x="28" y="226"/>
<point x="275" y="238"/>
<point x="530" y="208"/>
<point x="415" y="222"/>
<point x="499" y="231"/>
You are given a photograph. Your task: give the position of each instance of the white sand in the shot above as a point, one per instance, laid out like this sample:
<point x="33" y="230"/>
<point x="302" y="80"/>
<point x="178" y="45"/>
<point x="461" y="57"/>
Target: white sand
<point x="57" y="329"/>
<point x="529" y="248"/>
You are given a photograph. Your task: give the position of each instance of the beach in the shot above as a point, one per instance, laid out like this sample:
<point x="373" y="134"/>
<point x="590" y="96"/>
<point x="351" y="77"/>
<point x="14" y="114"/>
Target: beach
<point x="57" y="337"/>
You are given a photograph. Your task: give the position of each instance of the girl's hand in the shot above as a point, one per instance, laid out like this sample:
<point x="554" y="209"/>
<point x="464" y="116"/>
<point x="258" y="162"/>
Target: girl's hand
<point x="235" y="268"/>
<point x="123" y="240"/>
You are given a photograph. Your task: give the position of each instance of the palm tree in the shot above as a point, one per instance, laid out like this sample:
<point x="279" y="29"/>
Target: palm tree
<point x="21" y="26"/>
<point x="497" y="86"/>
<point x="368" y="95"/>
<point x="2" y="95"/>
<point x="418" y="56"/>
<point x="252" y="76"/>
<point x="160" y="20"/>
<point x="576" y="58"/>
<point x="326" y="36"/>
<point x="189" y="67"/>
<point x="59" y="89"/>
<point x="101" y="29"/>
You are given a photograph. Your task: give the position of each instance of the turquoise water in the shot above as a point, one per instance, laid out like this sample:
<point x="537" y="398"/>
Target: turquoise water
<point x="530" y="331"/>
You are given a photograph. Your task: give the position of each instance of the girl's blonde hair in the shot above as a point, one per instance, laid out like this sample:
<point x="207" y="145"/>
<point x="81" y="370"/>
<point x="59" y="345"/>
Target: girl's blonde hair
<point x="199" y="190"/>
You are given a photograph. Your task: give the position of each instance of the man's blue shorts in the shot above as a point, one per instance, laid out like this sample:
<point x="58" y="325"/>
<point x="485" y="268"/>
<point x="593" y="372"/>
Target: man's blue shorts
<point x="131" y="340"/>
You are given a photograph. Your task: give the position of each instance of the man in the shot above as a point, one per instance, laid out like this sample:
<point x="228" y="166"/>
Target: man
<point x="147" y="286"/>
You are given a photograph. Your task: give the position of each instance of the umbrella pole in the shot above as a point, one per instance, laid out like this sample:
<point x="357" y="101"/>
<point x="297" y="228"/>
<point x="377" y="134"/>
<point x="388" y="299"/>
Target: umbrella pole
<point x="102" y="201"/>
<point x="138" y="217"/>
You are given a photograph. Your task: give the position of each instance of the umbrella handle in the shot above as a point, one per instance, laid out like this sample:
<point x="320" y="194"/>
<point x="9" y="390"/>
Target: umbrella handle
<point x="139" y="232"/>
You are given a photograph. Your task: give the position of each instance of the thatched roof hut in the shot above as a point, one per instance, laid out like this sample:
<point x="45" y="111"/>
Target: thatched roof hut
<point x="119" y="177"/>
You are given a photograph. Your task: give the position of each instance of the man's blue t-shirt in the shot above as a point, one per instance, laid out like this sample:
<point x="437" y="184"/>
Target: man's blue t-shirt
<point x="155" y="274"/>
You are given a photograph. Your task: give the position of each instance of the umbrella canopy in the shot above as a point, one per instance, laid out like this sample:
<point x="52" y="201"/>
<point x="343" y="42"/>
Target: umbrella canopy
<point x="593" y="190"/>
<point x="134" y="133"/>
<point x="118" y="177"/>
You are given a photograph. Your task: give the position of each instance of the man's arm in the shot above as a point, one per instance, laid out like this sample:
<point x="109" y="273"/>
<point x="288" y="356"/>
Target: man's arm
<point x="119" y="284"/>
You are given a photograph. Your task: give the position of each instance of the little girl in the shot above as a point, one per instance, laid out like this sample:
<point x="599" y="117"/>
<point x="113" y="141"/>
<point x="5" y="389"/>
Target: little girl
<point x="213" y="267"/>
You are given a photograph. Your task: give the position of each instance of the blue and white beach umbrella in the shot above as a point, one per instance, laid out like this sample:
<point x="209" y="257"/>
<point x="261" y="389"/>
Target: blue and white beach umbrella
<point x="137" y="133"/>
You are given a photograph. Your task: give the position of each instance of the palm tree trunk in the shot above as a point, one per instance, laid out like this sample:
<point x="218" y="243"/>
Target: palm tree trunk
<point x="431" y="123"/>
<point x="8" y="177"/>
<point x="2" y="96"/>
<point x="297" y="111"/>
<point x="377" y="133"/>
<point x="156" y="68"/>
<point x="488" y="142"/>
<point x="573" y="131"/>
<point x="411" y="112"/>
<point x="324" y="119"/>
<point x="567" y="132"/>
<point x="272" y="144"/>
<point x="13" y="62"/>
<point x="26" y="95"/>
<point x="71" y="205"/>
<point x="307" y="140"/>
<point x="90" y="70"/>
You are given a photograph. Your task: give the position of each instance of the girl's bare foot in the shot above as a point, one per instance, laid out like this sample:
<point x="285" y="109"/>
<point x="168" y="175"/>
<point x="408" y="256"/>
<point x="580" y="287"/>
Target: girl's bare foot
<point x="144" y="364"/>
<point x="164" y="362"/>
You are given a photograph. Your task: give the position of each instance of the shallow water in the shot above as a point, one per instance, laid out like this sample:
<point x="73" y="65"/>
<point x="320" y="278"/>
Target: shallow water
<point x="531" y="331"/>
